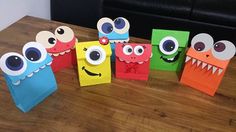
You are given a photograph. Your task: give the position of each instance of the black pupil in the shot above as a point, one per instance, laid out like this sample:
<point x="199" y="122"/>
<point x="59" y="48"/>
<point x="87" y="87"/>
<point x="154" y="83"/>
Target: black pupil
<point x="60" y="31"/>
<point x="94" y="55"/>
<point x="199" y="46"/>
<point x="129" y="50"/>
<point x="14" y="63"/>
<point x="219" y="47"/>
<point x="51" y="41"/>
<point x="140" y="50"/>
<point x="169" y="45"/>
<point x="33" y="54"/>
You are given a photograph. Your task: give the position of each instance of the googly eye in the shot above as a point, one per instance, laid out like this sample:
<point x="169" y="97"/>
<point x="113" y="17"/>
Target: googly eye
<point x="138" y="50"/>
<point x="13" y="64"/>
<point x="168" y="45"/>
<point x="105" y="25"/>
<point x="202" y="42"/>
<point x="127" y="50"/>
<point x="64" y="34"/>
<point x="223" y="50"/>
<point x="121" y="25"/>
<point x="46" y="38"/>
<point x="95" y="55"/>
<point x="34" y="52"/>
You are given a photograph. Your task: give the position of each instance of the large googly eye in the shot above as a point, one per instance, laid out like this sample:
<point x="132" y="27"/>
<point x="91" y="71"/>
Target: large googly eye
<point x="64" y="34"/>
<point x="121" y="25"/>
<point x="127" y="50"/>
<point x="34" y="52"/>
<point x="223" y="50"/>
<point x="138" y="50"/>
<point x="202" y="42"/>
<point x="95" y="55"/>
<point x="13" y="64"/>
<point x="46" y="38"/>
<point x="168" y="45"/>
<point x="105" y="25"/>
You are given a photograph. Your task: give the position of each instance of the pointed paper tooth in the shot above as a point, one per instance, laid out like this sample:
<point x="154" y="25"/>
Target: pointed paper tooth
<point x="209" y="67"/>
<point x="49" y="63"/>
<point x="140" y="62"/>
<point x="43" y="67"/>
<point x="62" y="53"/>
<point x="187" y="59"/>
<point x="127" y="61"/>
<point x="203" y="65"/>
<point x="220" y="71"/>
<point x="30" y="75"/>
<point x="214" y="69"/>
<point x="16" y="83"/>
<point x="121" y="59"/>
<point x="198" y="62"/>
<point x="67" y="51"/>
<point x="36" y="71"/>
<point x="55" y="54"/>
<point x="193" y="61"/>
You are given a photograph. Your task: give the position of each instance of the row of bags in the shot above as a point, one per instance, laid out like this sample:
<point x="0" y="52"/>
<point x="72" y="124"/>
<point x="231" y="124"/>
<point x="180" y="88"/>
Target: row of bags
<point x="30" y="76"/>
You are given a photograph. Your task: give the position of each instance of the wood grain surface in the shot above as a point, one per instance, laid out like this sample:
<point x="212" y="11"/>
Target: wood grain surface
<point x="160" y="104"/>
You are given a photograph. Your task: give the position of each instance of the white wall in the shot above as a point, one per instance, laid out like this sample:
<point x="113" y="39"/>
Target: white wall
<point x="13" y="10"/>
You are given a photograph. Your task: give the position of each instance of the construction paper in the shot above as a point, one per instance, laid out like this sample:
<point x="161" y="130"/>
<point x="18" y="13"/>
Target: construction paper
<point x="169" y="49"/>
<point x="206" y="63"/>
<point x="116" y="31"/>
<point x="94" y="62"/>
<point x="60" y="45"/>
<point x="26" y="75"/>
<point x="133" y="61"/>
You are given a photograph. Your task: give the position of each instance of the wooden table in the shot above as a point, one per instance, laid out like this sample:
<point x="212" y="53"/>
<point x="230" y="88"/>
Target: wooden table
<point x="161" y="104"/>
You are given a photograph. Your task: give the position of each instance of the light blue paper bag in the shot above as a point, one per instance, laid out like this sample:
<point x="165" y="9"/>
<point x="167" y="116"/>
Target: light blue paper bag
<point x="29" y="77"/>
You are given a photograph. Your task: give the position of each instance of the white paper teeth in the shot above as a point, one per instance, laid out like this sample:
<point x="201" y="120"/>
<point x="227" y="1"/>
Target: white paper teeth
<point x="193" y="61"/>
<point x="220" y="71"/>
<point x="170" y="59"/>
<point x="49" y="63"/>
<point x="198" y="62"/>
<point x="121" y="59"/>
<point x="30" y="75"/>
<point x="36" y="71"/>
<point x="214" y="69"/>
<point x="67" y="51"/>
<point x="61" y="53"/>
<point x="43" y="66"/>
<point x="187" y="58"/>
<point x="209" y="67"/>
<point x="55" y="54"/>
<point x="16" y="83"/>
<point x="204" y="65"/>
<point x="140" y="62"/>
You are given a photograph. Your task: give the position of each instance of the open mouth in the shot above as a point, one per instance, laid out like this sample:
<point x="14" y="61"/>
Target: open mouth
<point x="91" y="73"/>
<point x="61" y="53"/>
<point x="119" y="41"/>
<point x="171" y="60"/>
<point x="204" y="65"/>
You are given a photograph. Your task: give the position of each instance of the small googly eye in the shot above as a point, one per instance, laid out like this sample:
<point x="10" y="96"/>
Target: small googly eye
<point x="121" y="25"/>
<point x="223" y="50"/>
<point x="202" y="42"/>
<point x="13" y="64"/>
<point x="47" y="39"/>
<point x="138" y="50"/>
<point x="95" y="55"/>
<point x="127" y="50"/>
<point x="168" y="45"/>
<point x="64" y="34"/>
<point x="34" y="52"/>
<point x="105" y="25"/>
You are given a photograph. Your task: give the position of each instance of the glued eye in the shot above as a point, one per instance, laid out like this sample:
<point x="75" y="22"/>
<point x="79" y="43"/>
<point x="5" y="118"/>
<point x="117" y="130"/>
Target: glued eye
<point x="105" y="25"/>
<point x="64" y="34"/>
<point x="223" y="50"/>
<point x="138" y="50"/>
<point x="127" y="50"/>
<point x="202" y="42"/>
<point x="13" y="64"/>
<point x="95" y="55"/>
<point x="122" y="25"/>
<point x="46" y="38"/>
<point x="34" y="52"/>
<point x="168" y="45"/>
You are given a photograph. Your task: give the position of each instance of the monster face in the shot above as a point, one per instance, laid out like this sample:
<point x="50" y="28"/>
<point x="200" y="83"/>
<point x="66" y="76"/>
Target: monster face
<point x="60" y="46"/>
<point x="94" y="62"/>
<point x="168" y="49"/>
<point x="132" y="61"/>
<point x="206" y="63"/>
<point x="116" y="31"/>
<point x="26" y="75"/>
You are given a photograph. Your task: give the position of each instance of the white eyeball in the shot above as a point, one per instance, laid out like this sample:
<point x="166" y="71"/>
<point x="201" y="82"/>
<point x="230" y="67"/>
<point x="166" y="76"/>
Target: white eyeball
<point x="138" y="50"/>
<point x="46" y="38"/>
<point x="223" y="50"/>
<point x="105" y="25"/>
<point x="202" y="42"/>
<point x="121" y="25"/>
<point x="168" y="45"/>
<point x="127" y="50"/>
<point x="13" y="64"/>
<point x="34" y="52"/>
<point x="64" y="34"/>
<point x="95" y="55"/>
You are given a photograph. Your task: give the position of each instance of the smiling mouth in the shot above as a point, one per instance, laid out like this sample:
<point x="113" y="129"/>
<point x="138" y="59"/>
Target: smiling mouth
<point x="91" y="73"/>
<point x="170" y="60"/>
